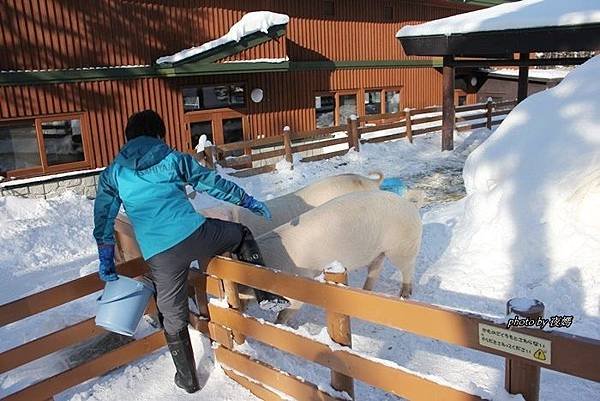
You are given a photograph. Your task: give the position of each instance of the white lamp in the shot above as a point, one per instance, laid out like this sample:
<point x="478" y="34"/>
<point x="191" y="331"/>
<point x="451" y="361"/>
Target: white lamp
<point x="256" y="95"/>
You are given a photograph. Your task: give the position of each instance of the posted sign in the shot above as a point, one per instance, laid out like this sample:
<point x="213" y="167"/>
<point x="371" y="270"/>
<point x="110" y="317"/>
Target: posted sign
<point x="529" y="347"/>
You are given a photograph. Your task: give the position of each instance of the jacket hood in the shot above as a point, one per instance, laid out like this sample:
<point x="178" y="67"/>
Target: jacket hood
<point x="142" y="152"/>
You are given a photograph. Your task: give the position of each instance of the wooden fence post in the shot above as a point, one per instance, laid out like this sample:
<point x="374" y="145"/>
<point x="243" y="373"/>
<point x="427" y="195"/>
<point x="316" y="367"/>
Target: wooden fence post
<point x="353" y="138"/>
<point x="287" y="145"/>
<point x="338" y="328"/>
<point x="490" y="106"/>
<point x="209" y="152"/>
<point x="233" y="299"/>
<point x="408" y="125"/>
<point x="520" y="377"/>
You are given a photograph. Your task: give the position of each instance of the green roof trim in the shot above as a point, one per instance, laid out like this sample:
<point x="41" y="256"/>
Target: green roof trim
<point x="231" y="48"/>
<point x="198" y="69"/>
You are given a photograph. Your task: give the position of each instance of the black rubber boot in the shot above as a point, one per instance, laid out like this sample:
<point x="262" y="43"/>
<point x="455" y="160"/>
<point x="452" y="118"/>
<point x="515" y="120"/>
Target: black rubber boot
<point x="183" y="357"/>
<point x="249" y="252"/>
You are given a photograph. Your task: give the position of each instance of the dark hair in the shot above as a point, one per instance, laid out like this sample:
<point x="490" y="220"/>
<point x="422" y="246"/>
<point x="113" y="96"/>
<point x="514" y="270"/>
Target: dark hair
<point x="145" y="123"/>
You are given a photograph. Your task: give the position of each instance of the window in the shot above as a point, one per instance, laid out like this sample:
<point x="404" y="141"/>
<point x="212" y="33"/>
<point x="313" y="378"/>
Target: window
<point x="462" y="100"/>
<point x="42" y="145"/>
<point x="373" y="102"/>
<point x="214" y="97"/>
<point x="347" y="108"/>
<point x="325" y="110"/>
<point x="392" y="101"/>
<point x="328" y="8"/>
<point x="388" y="13"/>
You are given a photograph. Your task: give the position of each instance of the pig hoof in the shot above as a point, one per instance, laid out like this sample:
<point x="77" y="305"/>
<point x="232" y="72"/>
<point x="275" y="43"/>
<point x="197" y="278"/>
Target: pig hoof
<point x="406" y="290"/>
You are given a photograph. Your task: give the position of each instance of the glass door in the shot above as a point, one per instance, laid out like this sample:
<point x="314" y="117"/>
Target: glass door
<point x="220" y="127"/>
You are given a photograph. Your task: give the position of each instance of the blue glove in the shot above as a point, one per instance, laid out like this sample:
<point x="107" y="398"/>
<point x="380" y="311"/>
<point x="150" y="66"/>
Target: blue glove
<point x="256" y="206"/>
<point x="106" y="254"/>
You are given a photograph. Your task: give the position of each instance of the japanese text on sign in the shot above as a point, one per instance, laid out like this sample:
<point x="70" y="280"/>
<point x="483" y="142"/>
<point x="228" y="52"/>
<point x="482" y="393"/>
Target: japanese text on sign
<point x="523" y="345"/>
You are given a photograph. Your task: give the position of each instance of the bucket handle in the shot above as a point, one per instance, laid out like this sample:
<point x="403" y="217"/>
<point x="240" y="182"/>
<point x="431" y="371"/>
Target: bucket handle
<point x="138" y="288"/>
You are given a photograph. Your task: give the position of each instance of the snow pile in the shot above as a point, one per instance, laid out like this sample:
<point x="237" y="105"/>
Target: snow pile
<point x="203" y="142"/>
<point x="283" y="165"/>
<point x="531" y="222"/>
<point x="517" y="15"/>
<point x="44" y="243"/>
<point x="551" y="73"/>
<point x="252" y="22"/>
<point x="335" y="267"/>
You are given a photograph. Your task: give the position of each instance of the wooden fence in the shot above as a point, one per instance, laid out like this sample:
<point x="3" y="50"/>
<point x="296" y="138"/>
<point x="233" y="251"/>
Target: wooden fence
<point x="408" y="123"/>
<point x="572" y="355"/>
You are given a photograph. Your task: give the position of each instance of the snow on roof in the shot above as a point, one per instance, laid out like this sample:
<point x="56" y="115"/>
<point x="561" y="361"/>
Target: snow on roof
<point x="519" y="15"/>
<point x="252" y="22"/>
<point x="534" y="73"/>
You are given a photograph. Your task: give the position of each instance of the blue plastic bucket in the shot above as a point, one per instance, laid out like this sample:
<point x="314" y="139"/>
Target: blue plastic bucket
<point x="122" y="305"/>
<point x="393" y="184"/>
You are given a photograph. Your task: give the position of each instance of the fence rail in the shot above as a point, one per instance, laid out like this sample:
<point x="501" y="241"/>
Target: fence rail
<point x="288" y="143"/>
<point x="572" y="355"/>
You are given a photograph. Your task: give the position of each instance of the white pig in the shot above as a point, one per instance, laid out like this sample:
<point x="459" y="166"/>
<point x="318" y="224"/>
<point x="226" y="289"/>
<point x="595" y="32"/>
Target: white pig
<point x="290" y="206"/>
<point x="357" y="229"/>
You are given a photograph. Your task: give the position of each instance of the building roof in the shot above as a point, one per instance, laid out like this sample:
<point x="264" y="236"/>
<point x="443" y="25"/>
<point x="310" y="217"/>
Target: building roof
<point x="253" y="28"/>
<point x="524" y="26"/>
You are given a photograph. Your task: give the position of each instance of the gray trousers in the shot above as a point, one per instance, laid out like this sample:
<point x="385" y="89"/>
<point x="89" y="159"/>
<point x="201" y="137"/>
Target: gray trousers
<point x="169" y="269"/>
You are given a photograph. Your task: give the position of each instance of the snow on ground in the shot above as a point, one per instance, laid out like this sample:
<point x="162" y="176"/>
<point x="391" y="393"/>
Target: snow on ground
<point x="252" y="22"/>
<point x="517" y="15"/>
<point x="528" y="227"/>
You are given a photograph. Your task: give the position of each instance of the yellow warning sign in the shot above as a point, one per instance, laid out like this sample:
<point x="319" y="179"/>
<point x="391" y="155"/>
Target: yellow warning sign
<point x="540" y="355"/>
<point x="523" y="345"/>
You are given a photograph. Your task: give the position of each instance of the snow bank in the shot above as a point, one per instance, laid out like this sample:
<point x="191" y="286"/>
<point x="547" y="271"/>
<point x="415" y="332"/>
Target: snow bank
<point x="518" y="15"/>
<point x="256" y="21"/>
<point x="530" y="223"/>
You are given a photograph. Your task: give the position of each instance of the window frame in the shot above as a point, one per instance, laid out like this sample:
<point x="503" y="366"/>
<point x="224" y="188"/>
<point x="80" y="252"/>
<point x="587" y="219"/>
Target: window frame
<point x="335" y="107"/>
<point x="242" y="109"/>
<point x="44" y="168"/>
<point x="384" y="99"/>
<point x="381" y="100"/>
<point x="356" y="93"/>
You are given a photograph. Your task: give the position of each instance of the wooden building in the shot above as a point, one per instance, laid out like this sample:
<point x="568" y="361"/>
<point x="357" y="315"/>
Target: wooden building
<point x="73" y="71"/>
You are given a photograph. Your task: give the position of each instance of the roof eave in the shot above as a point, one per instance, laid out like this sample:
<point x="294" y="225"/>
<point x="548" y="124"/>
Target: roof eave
<point x="505" y="42"/>
<point x="230" y="48"/>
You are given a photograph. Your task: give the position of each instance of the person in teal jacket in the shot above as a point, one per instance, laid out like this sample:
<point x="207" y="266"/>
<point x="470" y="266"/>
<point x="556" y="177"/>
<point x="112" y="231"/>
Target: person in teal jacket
<point x="148" y="179"/>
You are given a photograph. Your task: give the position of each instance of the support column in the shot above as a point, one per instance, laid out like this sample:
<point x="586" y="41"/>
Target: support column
<point x="523" y="78"/>
<point x="448" y="105"/>
<point x="521" y="377"/>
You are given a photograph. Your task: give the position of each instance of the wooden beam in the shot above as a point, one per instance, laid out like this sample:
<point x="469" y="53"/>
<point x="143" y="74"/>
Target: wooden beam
<point x="448" y="105"/>
<point x="48" y="344"/>
<point x="574" y="355"/>
<point x="523" y="79"/>
<point x="274" y="378"/>
<point x="87" y="370"/>
<point x="255" y="388"/>
<point x="390" y="379"/>
<point x="56" y="296"/>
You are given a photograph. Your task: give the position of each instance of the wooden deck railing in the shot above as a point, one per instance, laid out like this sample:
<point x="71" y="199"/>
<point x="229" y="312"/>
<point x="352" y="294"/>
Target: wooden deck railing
<point x="408" y="123"/>
<point x="572" y="355"/>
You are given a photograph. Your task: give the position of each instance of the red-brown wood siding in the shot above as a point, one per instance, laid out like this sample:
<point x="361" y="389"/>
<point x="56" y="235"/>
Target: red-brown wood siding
<point x="58" y="34"/>
<point x="108" y="104"/>
<point x="288" y="100"/>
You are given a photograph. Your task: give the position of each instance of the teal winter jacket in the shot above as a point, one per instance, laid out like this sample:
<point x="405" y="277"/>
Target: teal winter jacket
<point x="149" y="179"/>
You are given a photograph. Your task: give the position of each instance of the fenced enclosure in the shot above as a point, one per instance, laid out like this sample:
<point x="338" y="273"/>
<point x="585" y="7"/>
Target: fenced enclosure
<point x="227" y="325"/>
<point x="261" y="155"/>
